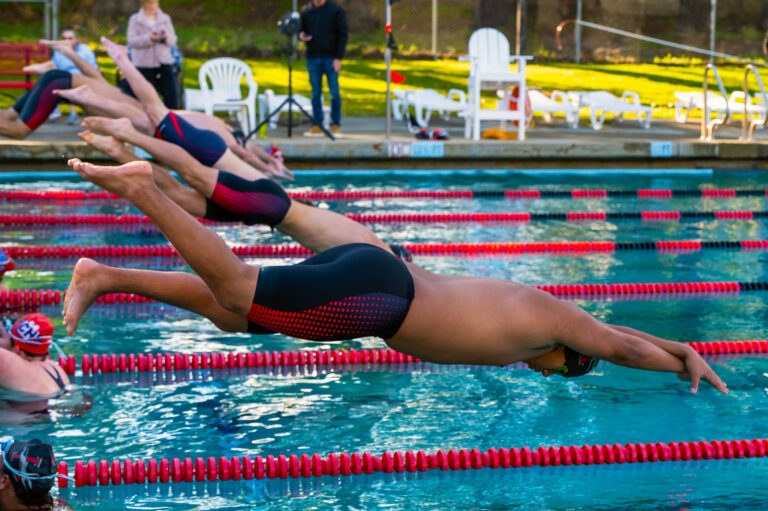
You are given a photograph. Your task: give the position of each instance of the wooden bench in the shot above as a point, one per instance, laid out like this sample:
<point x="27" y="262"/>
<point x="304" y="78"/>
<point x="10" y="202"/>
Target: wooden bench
<point x="13" y="58"/>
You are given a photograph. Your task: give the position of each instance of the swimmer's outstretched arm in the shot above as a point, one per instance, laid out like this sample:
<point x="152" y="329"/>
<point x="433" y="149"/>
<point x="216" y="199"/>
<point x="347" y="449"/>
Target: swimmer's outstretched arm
<point x="575" y="328"/>
<point x="231" y="281"/>
<point x="90" y="280"/>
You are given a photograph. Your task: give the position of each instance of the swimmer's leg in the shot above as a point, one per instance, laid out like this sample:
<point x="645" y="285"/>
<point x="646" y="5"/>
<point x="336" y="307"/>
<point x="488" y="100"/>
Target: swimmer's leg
<point x="140" y="86"/>
<point x="34" y="107"/>
<point x="92" y="101"/>
<point x="207" y="146"/>
<point x="90" y="280"/>
<point x="320" y="229"/>
<point x="103" y="88"/>
<point x="189" y="199"/>
<point x="232" y="282"/>
<point x="200" y="177"/>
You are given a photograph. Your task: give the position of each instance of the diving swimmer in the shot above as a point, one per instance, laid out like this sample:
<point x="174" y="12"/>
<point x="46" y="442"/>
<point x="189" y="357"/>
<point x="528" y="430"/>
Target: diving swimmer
<point x="356" y="290"/>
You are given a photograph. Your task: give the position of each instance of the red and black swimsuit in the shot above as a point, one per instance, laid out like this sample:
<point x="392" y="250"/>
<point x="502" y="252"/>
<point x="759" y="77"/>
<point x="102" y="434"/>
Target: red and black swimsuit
<point x="350" y="291"/>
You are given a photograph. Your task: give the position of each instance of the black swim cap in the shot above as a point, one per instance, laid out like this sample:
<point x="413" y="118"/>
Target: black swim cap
<point x="577" y="364"/>
<point x="30" y="466"/>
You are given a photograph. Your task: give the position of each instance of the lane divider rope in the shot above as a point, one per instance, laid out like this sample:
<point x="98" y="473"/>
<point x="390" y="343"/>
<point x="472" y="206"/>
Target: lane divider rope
<point x="160" y="362"/>
<point x="34" y="297"/>
<point x="457" y="249"/>
<point x="294" y="466"/>
<point x="522" y="217"/>
<point x="339" y="195"/>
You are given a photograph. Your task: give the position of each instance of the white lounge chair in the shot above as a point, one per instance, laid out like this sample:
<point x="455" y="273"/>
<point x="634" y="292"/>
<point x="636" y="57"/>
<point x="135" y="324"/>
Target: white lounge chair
<point x="687" y="102"/>
<point x="602" y="102"/>
<point x="269" y="102"/>
<point x="490" y="63"/>
<point x="427" y="101"/>
<point x="223" y="93"/>
<point x="557" y="103"/>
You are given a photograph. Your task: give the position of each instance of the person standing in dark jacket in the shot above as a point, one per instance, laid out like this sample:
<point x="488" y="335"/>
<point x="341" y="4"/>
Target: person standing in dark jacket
<point x="324" y="31"/>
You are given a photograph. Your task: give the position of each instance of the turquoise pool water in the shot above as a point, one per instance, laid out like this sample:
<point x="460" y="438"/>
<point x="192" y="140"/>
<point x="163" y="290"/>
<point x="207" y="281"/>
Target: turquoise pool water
<point x="454" y="407"/>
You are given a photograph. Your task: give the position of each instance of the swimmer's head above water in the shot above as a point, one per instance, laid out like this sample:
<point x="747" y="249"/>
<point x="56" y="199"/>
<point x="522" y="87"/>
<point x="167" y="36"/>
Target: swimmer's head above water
<point x="563" y="361"/>
<point x="32" y="334"/>
<point x="27" y="473"/>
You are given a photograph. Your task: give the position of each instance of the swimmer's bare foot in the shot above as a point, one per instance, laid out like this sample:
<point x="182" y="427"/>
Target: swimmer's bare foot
<point x="82" y="95"/>
<point x="121" y="128"/>
<point x="116" y="51"/>
<point x="89" y="281"/>
<point x="106" y="144"/>
<point x="132" y="181"/>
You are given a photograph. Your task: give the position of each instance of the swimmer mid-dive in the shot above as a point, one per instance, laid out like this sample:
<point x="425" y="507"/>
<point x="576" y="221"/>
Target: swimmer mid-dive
<point x="27" y="373"/>
<point x="205" y="137"/>
<point x="357" y="290"/>
<point x="222" y="196"/>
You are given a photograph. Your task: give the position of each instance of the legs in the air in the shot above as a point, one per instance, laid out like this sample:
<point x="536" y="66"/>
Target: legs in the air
<point x="86" y="97"/>
<point x="314" y="228"/>
<point x="232" y="282"/>
<point x="188" y="198"/>
<point x="90" y="280"/>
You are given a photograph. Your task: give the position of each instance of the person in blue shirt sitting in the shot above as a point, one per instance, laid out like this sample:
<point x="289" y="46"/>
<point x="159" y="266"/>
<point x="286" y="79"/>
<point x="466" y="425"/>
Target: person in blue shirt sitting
<point x="60" y="61"/>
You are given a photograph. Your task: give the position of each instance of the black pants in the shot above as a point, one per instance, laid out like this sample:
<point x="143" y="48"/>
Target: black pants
<point x="163" y="79"/>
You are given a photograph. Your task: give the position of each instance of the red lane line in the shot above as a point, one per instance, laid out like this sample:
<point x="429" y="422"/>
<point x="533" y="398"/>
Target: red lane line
<point x="92" y="473"/>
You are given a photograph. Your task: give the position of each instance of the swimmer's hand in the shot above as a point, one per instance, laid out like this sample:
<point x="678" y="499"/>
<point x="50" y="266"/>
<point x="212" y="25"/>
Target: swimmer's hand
<point x="279" y="170"/>
<point x="696" y="369"/>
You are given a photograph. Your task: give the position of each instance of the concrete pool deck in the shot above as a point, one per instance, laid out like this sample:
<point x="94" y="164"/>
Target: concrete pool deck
<point x="666" y="144"/>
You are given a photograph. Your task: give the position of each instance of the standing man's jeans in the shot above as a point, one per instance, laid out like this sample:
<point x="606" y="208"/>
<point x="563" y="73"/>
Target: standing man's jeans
<point x="318" y="67"/>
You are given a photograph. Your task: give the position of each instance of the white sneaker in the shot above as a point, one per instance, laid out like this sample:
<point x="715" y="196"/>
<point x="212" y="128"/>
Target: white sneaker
<point x="73" y="118"/>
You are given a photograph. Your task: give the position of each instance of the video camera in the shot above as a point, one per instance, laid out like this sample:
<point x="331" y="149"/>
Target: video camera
<point x="290" y="24"/>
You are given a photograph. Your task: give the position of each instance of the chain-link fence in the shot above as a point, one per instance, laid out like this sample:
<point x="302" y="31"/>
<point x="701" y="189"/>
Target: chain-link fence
<point x="427" y="28"/>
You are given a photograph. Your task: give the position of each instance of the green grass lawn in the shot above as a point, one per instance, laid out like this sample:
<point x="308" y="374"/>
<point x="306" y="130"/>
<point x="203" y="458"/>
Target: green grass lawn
<point x="363" y="82"/>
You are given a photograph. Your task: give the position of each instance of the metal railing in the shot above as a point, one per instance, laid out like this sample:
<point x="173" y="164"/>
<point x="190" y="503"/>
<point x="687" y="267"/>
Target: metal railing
<point x="708" y="125"/>
<point x="762" y="119"/>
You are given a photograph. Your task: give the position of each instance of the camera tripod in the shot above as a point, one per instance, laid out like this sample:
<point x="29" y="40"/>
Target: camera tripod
<point x="290" y="101"/>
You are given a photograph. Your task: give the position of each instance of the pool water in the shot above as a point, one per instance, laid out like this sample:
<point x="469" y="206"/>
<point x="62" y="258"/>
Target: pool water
<point x="217" y="414"/>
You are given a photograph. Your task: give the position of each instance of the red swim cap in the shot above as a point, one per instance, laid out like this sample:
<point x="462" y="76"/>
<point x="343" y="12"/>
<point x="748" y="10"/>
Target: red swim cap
<point x="32" y="333"/>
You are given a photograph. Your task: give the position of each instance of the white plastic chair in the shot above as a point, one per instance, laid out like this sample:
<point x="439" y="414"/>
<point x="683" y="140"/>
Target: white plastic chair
<point x="557" y="103"/>
<point x="223" y="93"/>
<point x="427" y="101"/>
<point x="603" y="102"/>
<point x="490" y="62"/>
<point x="269" y="101"/>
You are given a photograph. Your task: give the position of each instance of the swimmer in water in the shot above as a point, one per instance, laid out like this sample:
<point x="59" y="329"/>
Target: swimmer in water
<point x="28" y="470"/>
<point x="28" y="376"/>
<point x="356" y="290"/>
